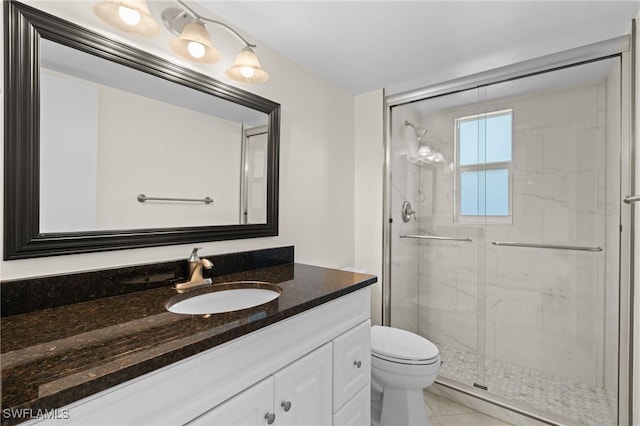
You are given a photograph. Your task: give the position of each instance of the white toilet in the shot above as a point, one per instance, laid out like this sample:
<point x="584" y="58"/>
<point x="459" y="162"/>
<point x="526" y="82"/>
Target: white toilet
<point x="402" y="365"/>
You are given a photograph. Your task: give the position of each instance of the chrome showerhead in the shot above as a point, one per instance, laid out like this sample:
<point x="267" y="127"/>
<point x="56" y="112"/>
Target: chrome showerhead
<point x="426" y="152"/>
<point x="419" y="131"/>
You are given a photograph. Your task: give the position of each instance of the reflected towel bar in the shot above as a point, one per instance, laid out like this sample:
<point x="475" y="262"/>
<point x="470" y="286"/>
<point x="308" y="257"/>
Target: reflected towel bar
<point x="546" y="246"/>
<point x="631" y="199"/>
<point x="433" y="237"/>
<point x="142" y="198"/>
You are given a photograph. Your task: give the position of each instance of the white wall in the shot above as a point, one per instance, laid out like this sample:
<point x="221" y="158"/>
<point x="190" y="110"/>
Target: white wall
<point x="68" y="153"/>
<point x="316" y="172"/>
<point x="143" y="150"/>
<point x="368" y="167"/>
<point x="137" y="147"/>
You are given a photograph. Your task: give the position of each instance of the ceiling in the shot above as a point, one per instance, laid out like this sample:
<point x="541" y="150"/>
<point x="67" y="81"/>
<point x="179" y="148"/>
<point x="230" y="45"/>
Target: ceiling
<point x="402" y="45"/>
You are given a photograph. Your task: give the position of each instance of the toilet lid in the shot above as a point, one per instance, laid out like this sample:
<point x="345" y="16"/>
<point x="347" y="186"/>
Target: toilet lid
<point x="401" y="344"/>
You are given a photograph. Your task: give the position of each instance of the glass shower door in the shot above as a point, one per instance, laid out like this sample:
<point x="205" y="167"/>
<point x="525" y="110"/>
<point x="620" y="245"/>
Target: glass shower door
<point x="551" y="339"/>
<point x="508" y="255"/>
<point x="436" y="262"/>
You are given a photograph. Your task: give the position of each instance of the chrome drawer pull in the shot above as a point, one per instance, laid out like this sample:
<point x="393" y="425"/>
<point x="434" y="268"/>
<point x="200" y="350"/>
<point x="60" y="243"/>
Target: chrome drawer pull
<point x="271" y="417"/>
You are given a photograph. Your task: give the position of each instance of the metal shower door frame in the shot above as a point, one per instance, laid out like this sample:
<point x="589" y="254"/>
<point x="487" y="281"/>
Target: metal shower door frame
<point x="624" y="47"/>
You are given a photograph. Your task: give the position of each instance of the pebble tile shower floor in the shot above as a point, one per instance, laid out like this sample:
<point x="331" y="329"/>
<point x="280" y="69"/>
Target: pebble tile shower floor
<point x="576" y="401"/>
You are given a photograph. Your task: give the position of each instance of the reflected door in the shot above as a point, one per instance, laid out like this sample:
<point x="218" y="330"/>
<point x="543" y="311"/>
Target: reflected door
<point x="254" y="180"/>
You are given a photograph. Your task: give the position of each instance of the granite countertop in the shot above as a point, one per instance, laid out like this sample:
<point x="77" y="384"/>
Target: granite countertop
<point x="52" y="357"/>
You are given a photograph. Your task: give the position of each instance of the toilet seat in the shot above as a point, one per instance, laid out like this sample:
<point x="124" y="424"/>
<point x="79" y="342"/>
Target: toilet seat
<point x="406" y="361"/>
<point x="401" y="346"/>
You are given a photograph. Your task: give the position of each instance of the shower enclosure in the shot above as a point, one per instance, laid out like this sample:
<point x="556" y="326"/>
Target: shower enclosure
<point x="504" y="242"/>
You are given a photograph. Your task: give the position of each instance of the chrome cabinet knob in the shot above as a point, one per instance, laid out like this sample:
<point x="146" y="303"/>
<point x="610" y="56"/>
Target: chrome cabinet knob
<point x="271" y="417"/>
<point x="358" y="364"/>
<point x="286" y="405"/>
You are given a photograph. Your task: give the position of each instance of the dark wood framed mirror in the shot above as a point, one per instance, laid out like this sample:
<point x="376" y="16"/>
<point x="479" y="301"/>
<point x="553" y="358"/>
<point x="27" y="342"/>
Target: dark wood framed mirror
<point x="27" y="183"/>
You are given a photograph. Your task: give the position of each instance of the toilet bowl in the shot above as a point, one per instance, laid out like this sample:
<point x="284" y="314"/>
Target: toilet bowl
<point x="402" y="365"/>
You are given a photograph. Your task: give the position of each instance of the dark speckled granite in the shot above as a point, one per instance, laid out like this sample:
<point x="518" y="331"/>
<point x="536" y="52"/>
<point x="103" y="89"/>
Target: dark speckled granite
<point x="52" y="357"/>
<point x="33" y="294"/>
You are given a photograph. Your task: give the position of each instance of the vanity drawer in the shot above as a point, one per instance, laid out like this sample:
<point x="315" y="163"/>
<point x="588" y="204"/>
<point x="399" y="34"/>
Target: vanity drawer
<point x="351" y="363"/>
<point x="357" y="411"/>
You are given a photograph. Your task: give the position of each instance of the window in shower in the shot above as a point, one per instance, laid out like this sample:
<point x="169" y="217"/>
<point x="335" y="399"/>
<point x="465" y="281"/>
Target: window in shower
<point x="484" y="158"/>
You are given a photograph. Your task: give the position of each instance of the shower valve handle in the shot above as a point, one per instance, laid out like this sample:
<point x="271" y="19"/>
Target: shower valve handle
<point x="407" y="212"/>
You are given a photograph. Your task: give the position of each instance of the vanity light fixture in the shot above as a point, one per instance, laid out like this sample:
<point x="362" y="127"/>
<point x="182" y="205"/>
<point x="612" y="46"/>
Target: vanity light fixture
<point x="247" y="67"/>
<point x="194" y="44"/>
<point x="131" y="16"/>
<point x="193" y="41"/>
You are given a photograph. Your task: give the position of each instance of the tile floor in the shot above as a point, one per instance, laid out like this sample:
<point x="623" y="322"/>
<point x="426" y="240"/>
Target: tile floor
<point x="444" y="412"/>
<point x="576" y="401"/>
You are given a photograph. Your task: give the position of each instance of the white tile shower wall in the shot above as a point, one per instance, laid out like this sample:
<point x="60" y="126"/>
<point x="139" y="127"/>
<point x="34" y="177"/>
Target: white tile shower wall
<point x="544" y="308"/>
<point x="405" y="262"/>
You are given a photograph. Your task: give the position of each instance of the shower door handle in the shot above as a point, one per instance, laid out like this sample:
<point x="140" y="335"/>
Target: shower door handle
<point x="631" y="199"/>
<point x="434" y="237"/>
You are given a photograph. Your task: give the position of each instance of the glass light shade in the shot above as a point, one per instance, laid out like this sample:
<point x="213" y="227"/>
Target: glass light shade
<point x="247" y="68"/>
<point x="194" y="44"/>
<point x="424" y="151"/>
<point x="131" y="16"/>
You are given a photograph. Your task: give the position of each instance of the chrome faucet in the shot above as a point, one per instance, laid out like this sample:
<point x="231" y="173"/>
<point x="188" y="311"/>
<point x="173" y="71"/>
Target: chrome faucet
<point x="195" y="272"/>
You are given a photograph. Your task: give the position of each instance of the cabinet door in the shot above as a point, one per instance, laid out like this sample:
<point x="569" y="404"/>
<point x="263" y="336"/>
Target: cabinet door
<point x="303" y="390"/>
<point x="351" y="363"/>
<point x="251" y="407"/>
<point x="357" y="411"/>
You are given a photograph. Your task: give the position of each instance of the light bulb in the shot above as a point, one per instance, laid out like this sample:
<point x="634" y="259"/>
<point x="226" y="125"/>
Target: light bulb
<point x="247" y="72"/>
<point x="196" y="49"/>
<point x="438" y="157"/>
<point x="129" y="16"/>
<point x="424" y="151"/>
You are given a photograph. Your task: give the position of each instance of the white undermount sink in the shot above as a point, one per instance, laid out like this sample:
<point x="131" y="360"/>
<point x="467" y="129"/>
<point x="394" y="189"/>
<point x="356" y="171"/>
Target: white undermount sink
<point x="226" y="297"/>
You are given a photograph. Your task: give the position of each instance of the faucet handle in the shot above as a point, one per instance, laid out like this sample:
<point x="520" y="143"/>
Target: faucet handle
<point x="194" y="255"/>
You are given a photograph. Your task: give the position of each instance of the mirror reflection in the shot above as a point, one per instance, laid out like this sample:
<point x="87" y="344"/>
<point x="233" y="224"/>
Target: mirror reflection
<point x="109" y="133"/>
<point x="117" y="148"/>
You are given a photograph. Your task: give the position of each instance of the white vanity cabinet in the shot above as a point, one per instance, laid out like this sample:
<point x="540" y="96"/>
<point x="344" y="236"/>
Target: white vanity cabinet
<point x="328" y="386"/>
<point x="303" y="390"/>
<point x="318" y="361"/>
<point x="351" y="363"/>
<point x="251" y="407"/>
<point x="352" y="376"/>
<point x="357" y="411"/>
<point x="299" y="394"/>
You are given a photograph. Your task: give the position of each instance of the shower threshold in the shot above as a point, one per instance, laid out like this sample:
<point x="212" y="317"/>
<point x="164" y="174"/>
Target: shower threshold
<point x="579" y="402"/>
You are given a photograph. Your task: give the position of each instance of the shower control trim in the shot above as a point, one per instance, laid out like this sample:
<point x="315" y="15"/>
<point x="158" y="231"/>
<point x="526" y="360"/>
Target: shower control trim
<point x="407" y="212"/>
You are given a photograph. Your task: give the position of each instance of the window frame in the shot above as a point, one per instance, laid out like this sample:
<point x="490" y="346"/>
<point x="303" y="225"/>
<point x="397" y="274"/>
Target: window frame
<point x="497" y="165"/>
